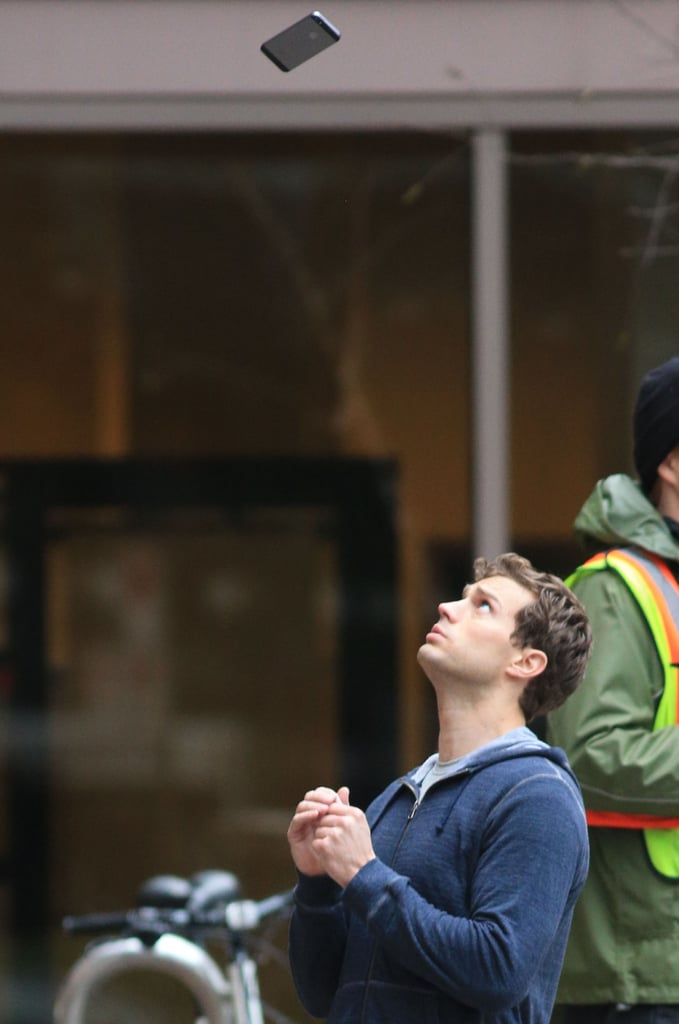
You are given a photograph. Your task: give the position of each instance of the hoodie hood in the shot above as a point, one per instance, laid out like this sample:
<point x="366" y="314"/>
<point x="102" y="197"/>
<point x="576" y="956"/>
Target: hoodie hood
<point x="618" y="512"/>
<point x="521" y="742"/>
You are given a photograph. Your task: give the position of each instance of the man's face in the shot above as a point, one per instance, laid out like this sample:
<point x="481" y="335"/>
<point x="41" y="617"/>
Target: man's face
<point x="665" y="493"/>
<point x="471" y="639"/>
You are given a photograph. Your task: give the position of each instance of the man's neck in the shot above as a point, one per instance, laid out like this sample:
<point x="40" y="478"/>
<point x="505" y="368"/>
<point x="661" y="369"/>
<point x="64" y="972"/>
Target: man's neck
<point x="673" y="525"/>
<point x="463" y="730"/>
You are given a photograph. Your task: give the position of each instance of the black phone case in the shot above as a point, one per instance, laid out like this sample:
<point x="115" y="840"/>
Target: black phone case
<point x="301" y="41"/>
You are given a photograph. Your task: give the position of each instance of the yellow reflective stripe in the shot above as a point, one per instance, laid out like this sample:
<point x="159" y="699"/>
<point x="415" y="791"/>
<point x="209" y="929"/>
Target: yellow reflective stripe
<point x="662" y="845"/>
<point x="647" y="596"/>
<point x="638" y="583"/>
<point x="663" y="850"/>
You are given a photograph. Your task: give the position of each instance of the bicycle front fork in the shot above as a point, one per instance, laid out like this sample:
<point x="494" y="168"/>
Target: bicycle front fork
<point x="245" y="989"/>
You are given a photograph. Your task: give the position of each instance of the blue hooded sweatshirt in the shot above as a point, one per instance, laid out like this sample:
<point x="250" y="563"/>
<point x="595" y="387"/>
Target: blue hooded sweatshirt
<point x="464" y="914"/>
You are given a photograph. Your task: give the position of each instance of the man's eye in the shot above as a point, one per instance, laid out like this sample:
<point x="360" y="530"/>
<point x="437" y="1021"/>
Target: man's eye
<point x="484" y="605"/>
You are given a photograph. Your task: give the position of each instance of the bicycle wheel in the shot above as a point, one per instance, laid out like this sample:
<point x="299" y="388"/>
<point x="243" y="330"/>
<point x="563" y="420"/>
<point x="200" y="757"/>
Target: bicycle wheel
<point x="122" y="981"/>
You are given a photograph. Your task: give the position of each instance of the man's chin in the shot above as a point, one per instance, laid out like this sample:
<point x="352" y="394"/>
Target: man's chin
<point x="424" y="654"/>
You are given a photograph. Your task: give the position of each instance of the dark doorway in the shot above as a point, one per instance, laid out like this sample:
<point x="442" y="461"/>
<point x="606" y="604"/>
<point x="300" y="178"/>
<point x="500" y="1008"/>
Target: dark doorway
<point x="186" y="645"/>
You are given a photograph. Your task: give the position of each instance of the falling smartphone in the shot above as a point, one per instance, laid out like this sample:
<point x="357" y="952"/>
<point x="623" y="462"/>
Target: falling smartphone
<point x="300" y="41"/>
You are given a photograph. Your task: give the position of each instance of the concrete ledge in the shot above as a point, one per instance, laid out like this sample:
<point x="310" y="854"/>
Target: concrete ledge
<point x="431" y="63"/>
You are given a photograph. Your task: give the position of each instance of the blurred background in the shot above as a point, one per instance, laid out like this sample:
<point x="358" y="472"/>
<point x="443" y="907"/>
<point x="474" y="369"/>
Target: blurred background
<point x="280" y="355"/>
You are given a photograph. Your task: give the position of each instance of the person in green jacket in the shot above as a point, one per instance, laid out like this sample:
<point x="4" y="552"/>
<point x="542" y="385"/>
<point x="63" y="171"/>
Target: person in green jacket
<point x="622" y="962"/>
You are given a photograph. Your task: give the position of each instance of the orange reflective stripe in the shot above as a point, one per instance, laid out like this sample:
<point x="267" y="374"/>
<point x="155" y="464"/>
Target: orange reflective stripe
<point x="613" y="819"/>
<point x="657" y="593"/>
<point x="671" y="632"/>
<point x="668" y="640"/>
<point x="595" y="561"/>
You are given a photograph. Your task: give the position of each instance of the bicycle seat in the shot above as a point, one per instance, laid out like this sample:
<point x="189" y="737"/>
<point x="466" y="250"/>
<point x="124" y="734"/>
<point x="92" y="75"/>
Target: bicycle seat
<point x="169" y="891"/>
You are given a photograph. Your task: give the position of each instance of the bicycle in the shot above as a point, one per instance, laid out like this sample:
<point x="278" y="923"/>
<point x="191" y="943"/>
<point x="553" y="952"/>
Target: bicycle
<point x="167" y="933"/>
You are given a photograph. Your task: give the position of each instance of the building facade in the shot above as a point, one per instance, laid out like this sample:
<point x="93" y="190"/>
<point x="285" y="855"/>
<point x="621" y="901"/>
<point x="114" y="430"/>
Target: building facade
<point x="281" y="354"/>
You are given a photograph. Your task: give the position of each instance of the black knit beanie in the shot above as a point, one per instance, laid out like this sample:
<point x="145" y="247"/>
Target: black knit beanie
<point x="656" y="420"/>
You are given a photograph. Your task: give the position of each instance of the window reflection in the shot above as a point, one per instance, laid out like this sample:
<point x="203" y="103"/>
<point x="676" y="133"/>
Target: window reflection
<point x="193" y="696"/>
<point x="215" y="296"/>
<point x="594" y="305"/>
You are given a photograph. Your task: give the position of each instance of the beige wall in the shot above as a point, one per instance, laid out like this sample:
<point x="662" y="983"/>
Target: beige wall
<point x="398" y="63"/>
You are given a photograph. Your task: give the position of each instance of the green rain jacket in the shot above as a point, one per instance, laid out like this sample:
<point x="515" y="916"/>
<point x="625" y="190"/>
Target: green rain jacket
<point x="624" y="942"/>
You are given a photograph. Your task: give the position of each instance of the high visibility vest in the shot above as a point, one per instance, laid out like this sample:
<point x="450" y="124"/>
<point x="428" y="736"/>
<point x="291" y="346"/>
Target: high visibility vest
<point x="657" y="594"/>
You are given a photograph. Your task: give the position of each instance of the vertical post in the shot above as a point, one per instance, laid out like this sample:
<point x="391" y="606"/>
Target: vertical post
<point x="490" y="382"/>
<point x="29" y="994"/>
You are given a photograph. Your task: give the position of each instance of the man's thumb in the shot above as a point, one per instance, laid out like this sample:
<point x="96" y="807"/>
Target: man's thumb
<point x="343" y="794"/>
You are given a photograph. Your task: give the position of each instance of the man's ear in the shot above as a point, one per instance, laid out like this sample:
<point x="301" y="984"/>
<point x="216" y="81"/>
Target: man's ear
<point x="668" y="470"/>
<point x="529" y="662"/>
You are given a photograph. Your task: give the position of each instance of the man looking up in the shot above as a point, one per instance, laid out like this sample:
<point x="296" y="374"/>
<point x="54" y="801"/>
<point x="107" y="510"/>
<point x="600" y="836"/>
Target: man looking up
<point x="622" y="734"/>
<point x="451" y="898"/>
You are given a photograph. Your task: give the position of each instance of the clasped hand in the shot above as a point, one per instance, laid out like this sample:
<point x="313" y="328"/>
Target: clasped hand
<point x="328" y="836"/>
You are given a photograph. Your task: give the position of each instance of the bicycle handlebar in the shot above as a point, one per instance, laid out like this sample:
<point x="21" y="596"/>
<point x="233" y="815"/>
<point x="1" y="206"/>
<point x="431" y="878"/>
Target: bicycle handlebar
<point x="234" y="917"/>
<point x="93" y="924"/>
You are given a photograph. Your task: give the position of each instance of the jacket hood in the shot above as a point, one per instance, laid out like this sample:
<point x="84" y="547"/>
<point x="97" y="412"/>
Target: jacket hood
<point x="521" y="742"/>
<point x="618" y="512"/>
<point x="531" y="747"/>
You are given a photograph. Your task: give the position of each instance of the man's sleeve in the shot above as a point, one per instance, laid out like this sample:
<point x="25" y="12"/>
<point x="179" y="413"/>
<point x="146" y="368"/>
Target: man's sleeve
<point x="317" y="938"/>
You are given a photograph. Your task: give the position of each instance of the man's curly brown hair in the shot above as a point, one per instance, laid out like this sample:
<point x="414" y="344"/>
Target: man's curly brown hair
<point x="555" y="623"/>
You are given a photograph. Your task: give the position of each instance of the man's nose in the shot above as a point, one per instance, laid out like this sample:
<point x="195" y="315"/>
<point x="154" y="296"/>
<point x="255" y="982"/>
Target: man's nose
<point x="450" y="610"/>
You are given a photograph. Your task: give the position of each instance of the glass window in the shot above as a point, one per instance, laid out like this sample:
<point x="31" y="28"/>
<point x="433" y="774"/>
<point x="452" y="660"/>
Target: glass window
<point x="594" y="260"/>
<point x="206" y="297"/>
<point x="194" y="687"/>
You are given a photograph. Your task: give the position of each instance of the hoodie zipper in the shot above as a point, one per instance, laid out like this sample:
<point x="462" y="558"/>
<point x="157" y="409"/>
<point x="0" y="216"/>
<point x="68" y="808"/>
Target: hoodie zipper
<point x="368" y="977"/>
<point x="411" y="814"/>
